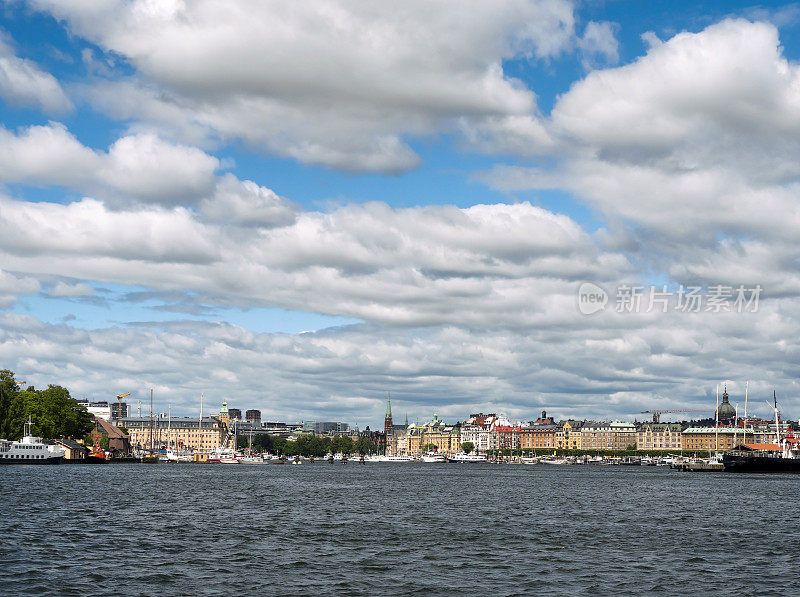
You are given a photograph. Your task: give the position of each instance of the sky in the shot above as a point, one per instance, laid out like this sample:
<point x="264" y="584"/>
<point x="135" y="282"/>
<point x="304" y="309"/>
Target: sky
<point x="590" y="208"/>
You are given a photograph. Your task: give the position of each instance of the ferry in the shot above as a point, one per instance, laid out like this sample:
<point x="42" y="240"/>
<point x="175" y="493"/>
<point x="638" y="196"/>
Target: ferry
<point x="460" y="457"/>
<point x="30" y="450"/>
<point x="433" y="457"/>
<point x="381" y="458"/>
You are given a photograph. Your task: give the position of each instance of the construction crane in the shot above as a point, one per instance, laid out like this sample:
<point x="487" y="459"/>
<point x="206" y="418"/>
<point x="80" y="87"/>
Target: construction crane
<point x="119" y="403"/>
<point x="657" y="413"/>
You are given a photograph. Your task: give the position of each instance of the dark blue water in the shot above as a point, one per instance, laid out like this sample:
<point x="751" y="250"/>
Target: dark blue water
<point x="387" y="529"/>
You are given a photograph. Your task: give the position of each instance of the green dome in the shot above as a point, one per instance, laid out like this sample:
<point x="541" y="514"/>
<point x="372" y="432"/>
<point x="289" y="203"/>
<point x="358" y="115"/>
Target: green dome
<point x="726" y="412"/>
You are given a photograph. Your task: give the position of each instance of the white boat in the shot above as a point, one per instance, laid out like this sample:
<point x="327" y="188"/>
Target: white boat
<point x="249" y="459"/>
<point x="29" y="450"/>
<point x="553" y="461"/>
<point x="380" y="458"/>
<point x="433" y="457"/>
<point x="461" y="457"/>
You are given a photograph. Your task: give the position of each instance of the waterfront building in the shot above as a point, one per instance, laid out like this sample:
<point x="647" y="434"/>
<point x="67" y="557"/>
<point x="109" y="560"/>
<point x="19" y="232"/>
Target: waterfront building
<point x="253" y="416"/>
<point x="446" y="438"/>
<point x="118" y="440"/>
<point x="188" y="433"/>
<point x="539" y="436"/>
<point x="476" y="430"/>
<point x="568" y="436"/>
<point x="615" y="435"/>
<point x="705" y="439"/>
<point x="659" y="436"/>
<point x="72" y="450"/>
<point x="508" y="437"/>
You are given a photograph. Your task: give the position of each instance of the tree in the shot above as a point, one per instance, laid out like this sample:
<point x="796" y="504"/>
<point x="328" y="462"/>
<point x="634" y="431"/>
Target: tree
<point x="430" y="448"/>
<point x="467" y="447"/>
<point x="364" y="445"/>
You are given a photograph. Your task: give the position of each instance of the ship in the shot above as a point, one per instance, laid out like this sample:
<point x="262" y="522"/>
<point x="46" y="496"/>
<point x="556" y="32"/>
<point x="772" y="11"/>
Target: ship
<point x="460" y="457"/>
<point x="780" y="457"/>
<point x="30" y="450"/>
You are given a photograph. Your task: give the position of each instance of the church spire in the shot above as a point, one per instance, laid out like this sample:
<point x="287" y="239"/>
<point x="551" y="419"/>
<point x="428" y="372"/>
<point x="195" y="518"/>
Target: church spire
<point x="387" y="421"/>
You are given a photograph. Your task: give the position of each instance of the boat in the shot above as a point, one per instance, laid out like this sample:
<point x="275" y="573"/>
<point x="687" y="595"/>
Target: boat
<point x="381" y="458"/>
<point x="553" y="461"/>
<point x="433" y="457"/>
<point x="460" y="458"/>
<point x="780" y="457"/>
<point x="30" y="450"/>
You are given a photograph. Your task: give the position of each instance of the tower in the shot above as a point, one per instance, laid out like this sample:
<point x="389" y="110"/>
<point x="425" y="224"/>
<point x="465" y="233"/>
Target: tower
<point x="387" y="421"/>
<point x="224" y="415"/>
<point x="726" y="413"/>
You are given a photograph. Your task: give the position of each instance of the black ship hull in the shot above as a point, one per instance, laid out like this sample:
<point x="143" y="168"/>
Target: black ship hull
<point x="760" y="464"/>
<point x="54" y="460"/>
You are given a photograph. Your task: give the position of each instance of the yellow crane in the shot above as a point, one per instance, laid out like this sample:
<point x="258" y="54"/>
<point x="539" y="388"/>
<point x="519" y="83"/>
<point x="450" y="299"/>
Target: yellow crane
<point x="657" y="413"/>
<point x="119" y="403"/>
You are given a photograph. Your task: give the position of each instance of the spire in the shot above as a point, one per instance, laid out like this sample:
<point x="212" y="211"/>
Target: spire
<point x="725" y="393"/>
<point x="406" y="419"/>
<point x="388" y="425"/>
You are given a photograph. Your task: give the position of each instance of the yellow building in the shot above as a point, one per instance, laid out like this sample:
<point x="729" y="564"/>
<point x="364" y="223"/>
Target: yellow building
<point x="182" y="433"/>
<point x="568" y="435"/>
<point x="659" y="436"/>
<point x="712" y="439"/>
<point x="446" y="438"/>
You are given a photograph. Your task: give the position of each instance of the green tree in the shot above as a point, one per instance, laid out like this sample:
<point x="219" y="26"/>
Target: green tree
<point x="364" y="445"/>
<point x="467" y="447"/>
<point x="430" y="448"/>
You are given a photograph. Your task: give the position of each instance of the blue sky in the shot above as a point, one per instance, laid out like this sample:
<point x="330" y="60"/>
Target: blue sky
<point x="327" y="175"/>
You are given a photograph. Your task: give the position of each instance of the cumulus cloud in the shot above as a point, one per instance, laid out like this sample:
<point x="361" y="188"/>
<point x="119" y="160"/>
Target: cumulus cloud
<point x="344" y="373"/>
<point x="23" y="83"/>
<point x="599" y="41"/>
<point x="138" y="167"/>
<point x="331" y="83"/>
<point x="64" y="290"/>
<point x="12" y="285"/>
<point x="483" y="265"/>
<point x="690" y="150"/>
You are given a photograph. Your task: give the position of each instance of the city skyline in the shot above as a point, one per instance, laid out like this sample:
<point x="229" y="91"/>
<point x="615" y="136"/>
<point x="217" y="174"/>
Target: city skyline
<point x="583" y="208"/>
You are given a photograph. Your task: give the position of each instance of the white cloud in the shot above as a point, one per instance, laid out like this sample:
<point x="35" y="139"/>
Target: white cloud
<point x="599" y="40"/>
<point x="344" y="373"/>
<point x="484" y="265"/>
<point x="11" y="286"/>
<point x="140" y="167"/>
<point x="23" y="83"/>
<point x="62" y="289"/>
<point x="328" y="83"/>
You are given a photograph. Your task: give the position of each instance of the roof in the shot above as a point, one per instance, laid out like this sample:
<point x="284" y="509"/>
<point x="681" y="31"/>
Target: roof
<point x="110" y="430"/>
<point x="724" y="430"/>
<point x="774" y="447"/>
<point x="70" y="443"/>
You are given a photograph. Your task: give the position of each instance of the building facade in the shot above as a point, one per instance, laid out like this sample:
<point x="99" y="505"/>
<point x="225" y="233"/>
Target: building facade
<point x="176" y="433"/>
<point x="712" y="439"/>
<point x="659" y="436"/>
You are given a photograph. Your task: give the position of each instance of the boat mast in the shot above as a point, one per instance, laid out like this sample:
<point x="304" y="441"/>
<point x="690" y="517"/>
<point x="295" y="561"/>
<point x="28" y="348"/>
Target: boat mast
<point x="777" y="422"/>
<point x="200" y="423"/>
<point x="716" y="425"/>
<point x="151" y="420"/>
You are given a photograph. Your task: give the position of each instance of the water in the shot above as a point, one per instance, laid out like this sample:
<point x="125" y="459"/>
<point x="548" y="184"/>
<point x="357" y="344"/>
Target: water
<point x="395" y="528"/>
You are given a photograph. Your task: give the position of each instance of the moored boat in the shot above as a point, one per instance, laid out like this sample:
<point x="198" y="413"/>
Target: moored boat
<point x="460" y="457"/>
<point x="30" y="450"/>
